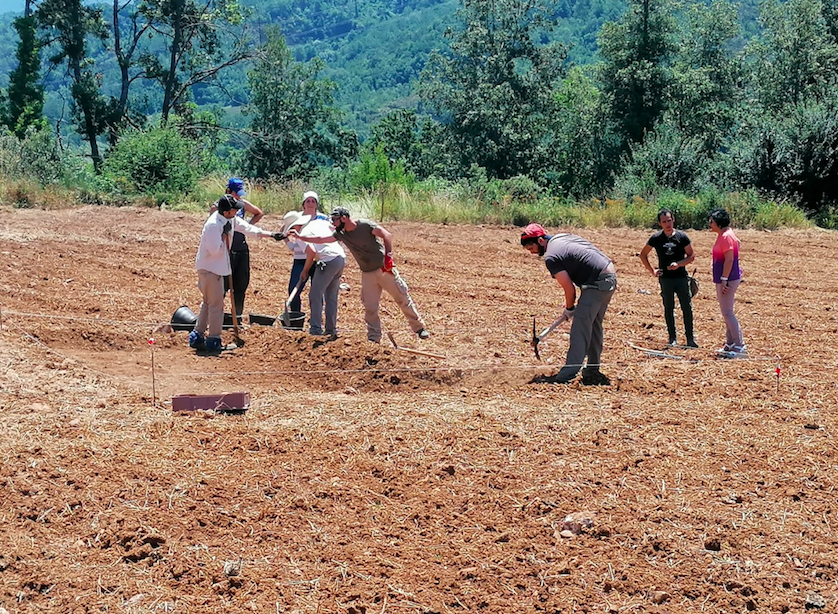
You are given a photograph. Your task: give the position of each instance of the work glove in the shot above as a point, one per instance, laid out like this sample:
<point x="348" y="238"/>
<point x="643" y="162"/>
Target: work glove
<point x="227" y="228"/>
<point x="388" y="263"/>
<point x="568" y="313"/>
<point x="277" y="236"/>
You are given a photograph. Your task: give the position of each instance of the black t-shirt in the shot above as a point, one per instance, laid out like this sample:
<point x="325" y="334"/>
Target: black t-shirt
<point x="670" y="249"/>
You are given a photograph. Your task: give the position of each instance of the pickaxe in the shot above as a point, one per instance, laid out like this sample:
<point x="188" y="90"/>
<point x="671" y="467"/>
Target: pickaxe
<point x="536" y="339"/>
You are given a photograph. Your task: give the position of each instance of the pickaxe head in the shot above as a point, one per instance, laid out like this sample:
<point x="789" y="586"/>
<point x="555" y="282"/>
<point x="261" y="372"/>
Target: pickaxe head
<point x="535" y="340"/>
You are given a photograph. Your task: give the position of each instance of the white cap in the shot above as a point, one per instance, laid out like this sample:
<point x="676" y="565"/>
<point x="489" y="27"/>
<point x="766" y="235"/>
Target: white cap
<point x="310" y="194"/>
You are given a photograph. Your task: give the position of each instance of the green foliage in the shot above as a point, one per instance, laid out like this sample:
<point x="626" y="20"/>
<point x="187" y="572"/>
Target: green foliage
<point x="495" y="86"/>
<point x="295" y="127"/>
<point x="200" y="39"/>
<point x="68" y="24"/>
<point x="158" y="161"/>
<point x="25" y="95"/>
<point x="586" y="149"/>
<point x="375" y="169"/>
<point x="795" y="59"/>
<point x="35" y="157"/>
<point x="705" y="95"/>
<point x="635" y="73"/>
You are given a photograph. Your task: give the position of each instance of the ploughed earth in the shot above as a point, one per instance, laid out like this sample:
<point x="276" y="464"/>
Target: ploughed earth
<point x="369" y="479"/>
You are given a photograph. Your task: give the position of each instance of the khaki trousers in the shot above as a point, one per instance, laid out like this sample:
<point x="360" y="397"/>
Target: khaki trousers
<point x="372" y="283"/>
<point x="212" y="308"/>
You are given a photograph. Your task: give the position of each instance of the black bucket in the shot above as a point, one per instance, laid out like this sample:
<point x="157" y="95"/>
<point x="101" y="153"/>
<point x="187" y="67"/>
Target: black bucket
<point x="262" y="320"/>
<point x="293" y="320"/>
<point x="183" y="319"/>
<point x="228" y="320"/>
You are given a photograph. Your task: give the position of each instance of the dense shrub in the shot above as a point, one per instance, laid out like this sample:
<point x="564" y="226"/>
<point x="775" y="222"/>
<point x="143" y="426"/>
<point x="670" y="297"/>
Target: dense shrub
<point x="158" y="161"/>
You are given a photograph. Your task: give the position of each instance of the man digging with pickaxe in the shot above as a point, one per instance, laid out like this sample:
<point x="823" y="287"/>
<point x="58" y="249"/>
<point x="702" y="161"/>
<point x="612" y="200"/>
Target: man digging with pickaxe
<point x="574" y="261"/>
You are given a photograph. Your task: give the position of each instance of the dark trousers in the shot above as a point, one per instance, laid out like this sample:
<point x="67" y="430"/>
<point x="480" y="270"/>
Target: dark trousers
<point x="670" y="287"/>
<point x="296" y="271"/>
<point x="240" y="263"/>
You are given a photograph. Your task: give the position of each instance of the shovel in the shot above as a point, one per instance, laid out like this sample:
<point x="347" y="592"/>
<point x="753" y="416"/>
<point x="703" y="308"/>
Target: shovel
<point x="536" y="339"/>
<point x="285" y="318"/>
<point x="236" y="338"/>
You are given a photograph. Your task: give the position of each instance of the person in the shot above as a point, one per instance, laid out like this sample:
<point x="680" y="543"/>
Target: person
<point x="675" y="252"/>
<point x="372" y="247"/>
<point x="212" y="263"/>
<point x="330" y="261"/>
<point x="727" y="275"/>
<point x="240" y="251"/>
<point x="311" y="202"/>
<point x="573" y="261"/>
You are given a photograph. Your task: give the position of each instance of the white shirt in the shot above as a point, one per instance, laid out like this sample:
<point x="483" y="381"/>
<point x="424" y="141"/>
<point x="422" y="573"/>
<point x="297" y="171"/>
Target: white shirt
<point x="212" y="252"/>
<point x="326" y="252"/>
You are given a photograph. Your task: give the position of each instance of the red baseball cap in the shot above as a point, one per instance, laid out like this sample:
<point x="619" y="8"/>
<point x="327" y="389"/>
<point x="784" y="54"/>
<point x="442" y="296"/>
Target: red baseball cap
<point x="533" y="231"/>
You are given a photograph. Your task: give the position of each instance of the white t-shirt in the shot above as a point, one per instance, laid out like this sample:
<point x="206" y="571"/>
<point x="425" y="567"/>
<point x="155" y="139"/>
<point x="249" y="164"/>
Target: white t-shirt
<point x="326" y="252"/>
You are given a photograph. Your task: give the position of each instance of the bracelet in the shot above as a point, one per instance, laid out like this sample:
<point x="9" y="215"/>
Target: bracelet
<point x="723" y="278"/>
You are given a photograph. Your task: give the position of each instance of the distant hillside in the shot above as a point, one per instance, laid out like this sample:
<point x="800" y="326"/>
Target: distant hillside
<point x="374" y="49"/>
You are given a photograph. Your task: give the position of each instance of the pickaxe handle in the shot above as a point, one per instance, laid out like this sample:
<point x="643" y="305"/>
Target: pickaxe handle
<point x="562" y="318"/>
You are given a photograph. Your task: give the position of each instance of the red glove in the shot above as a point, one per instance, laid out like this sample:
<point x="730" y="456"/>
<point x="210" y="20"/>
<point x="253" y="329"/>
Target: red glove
<point x="388" y="263"/>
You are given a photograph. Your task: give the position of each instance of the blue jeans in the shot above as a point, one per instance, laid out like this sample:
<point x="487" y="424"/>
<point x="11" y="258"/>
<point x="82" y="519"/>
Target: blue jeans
<point x="296" y="271"/>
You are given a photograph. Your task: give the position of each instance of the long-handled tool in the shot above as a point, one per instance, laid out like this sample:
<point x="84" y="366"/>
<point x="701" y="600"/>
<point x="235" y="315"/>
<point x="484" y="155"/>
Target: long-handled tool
<point x="236" y="337"/>
<point x="536" y="339"/>
<point x="285" y="318"/>
<point x="411" y="350"/>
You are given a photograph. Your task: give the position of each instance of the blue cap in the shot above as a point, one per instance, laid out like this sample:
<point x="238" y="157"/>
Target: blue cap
<point x="236" y="186"/>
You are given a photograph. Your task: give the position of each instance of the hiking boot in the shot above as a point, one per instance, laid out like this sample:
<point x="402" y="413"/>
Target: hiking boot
<point x="423" y="334"/>
<point x="594" y="377"/>
<point x="196" y="340"/>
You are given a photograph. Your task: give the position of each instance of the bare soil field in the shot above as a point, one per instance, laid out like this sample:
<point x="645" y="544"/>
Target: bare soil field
<point x="368" y="480"/>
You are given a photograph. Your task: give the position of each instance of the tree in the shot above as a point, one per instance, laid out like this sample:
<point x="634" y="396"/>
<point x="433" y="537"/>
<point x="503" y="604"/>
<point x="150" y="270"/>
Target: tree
<point x="494" y="89"/>
<point x="795" y="60"/>
<point x="295" y="127"/>
<point x="125" y="52"/>
<point x="25" y="94"/>
<point x="68" y="24"/>
<point x="637" y="52"/>
<point x="706" y="75"/>
<point x="201" y="40"/>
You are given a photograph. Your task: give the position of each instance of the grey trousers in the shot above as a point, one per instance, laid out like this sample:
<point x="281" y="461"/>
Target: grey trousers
<point x="733" y="332"/>
<point x="325" y="287"/>
<point x="586" y="336"/>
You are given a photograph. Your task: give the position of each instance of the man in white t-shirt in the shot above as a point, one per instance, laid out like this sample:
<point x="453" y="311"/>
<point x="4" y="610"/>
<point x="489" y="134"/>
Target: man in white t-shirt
<point x="213" y="264"/>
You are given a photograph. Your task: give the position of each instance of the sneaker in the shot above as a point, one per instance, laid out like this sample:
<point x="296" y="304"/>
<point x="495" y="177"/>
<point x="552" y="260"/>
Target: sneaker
<point x="672" y="342"/>
<point x="196" y="340"/>
<point x="691" y="343"/>
<point x="739" y="351"/>
<point x="213" y="344"/>
<point x="424" y="334"/>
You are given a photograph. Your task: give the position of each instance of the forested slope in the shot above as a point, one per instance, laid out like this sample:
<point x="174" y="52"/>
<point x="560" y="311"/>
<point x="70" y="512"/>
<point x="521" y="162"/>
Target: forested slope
<point x="374" y="50"/>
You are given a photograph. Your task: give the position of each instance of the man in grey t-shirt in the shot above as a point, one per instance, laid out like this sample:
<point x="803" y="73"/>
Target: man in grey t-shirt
<point x="574" y="261"/>
<point x="372" y="247"/>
